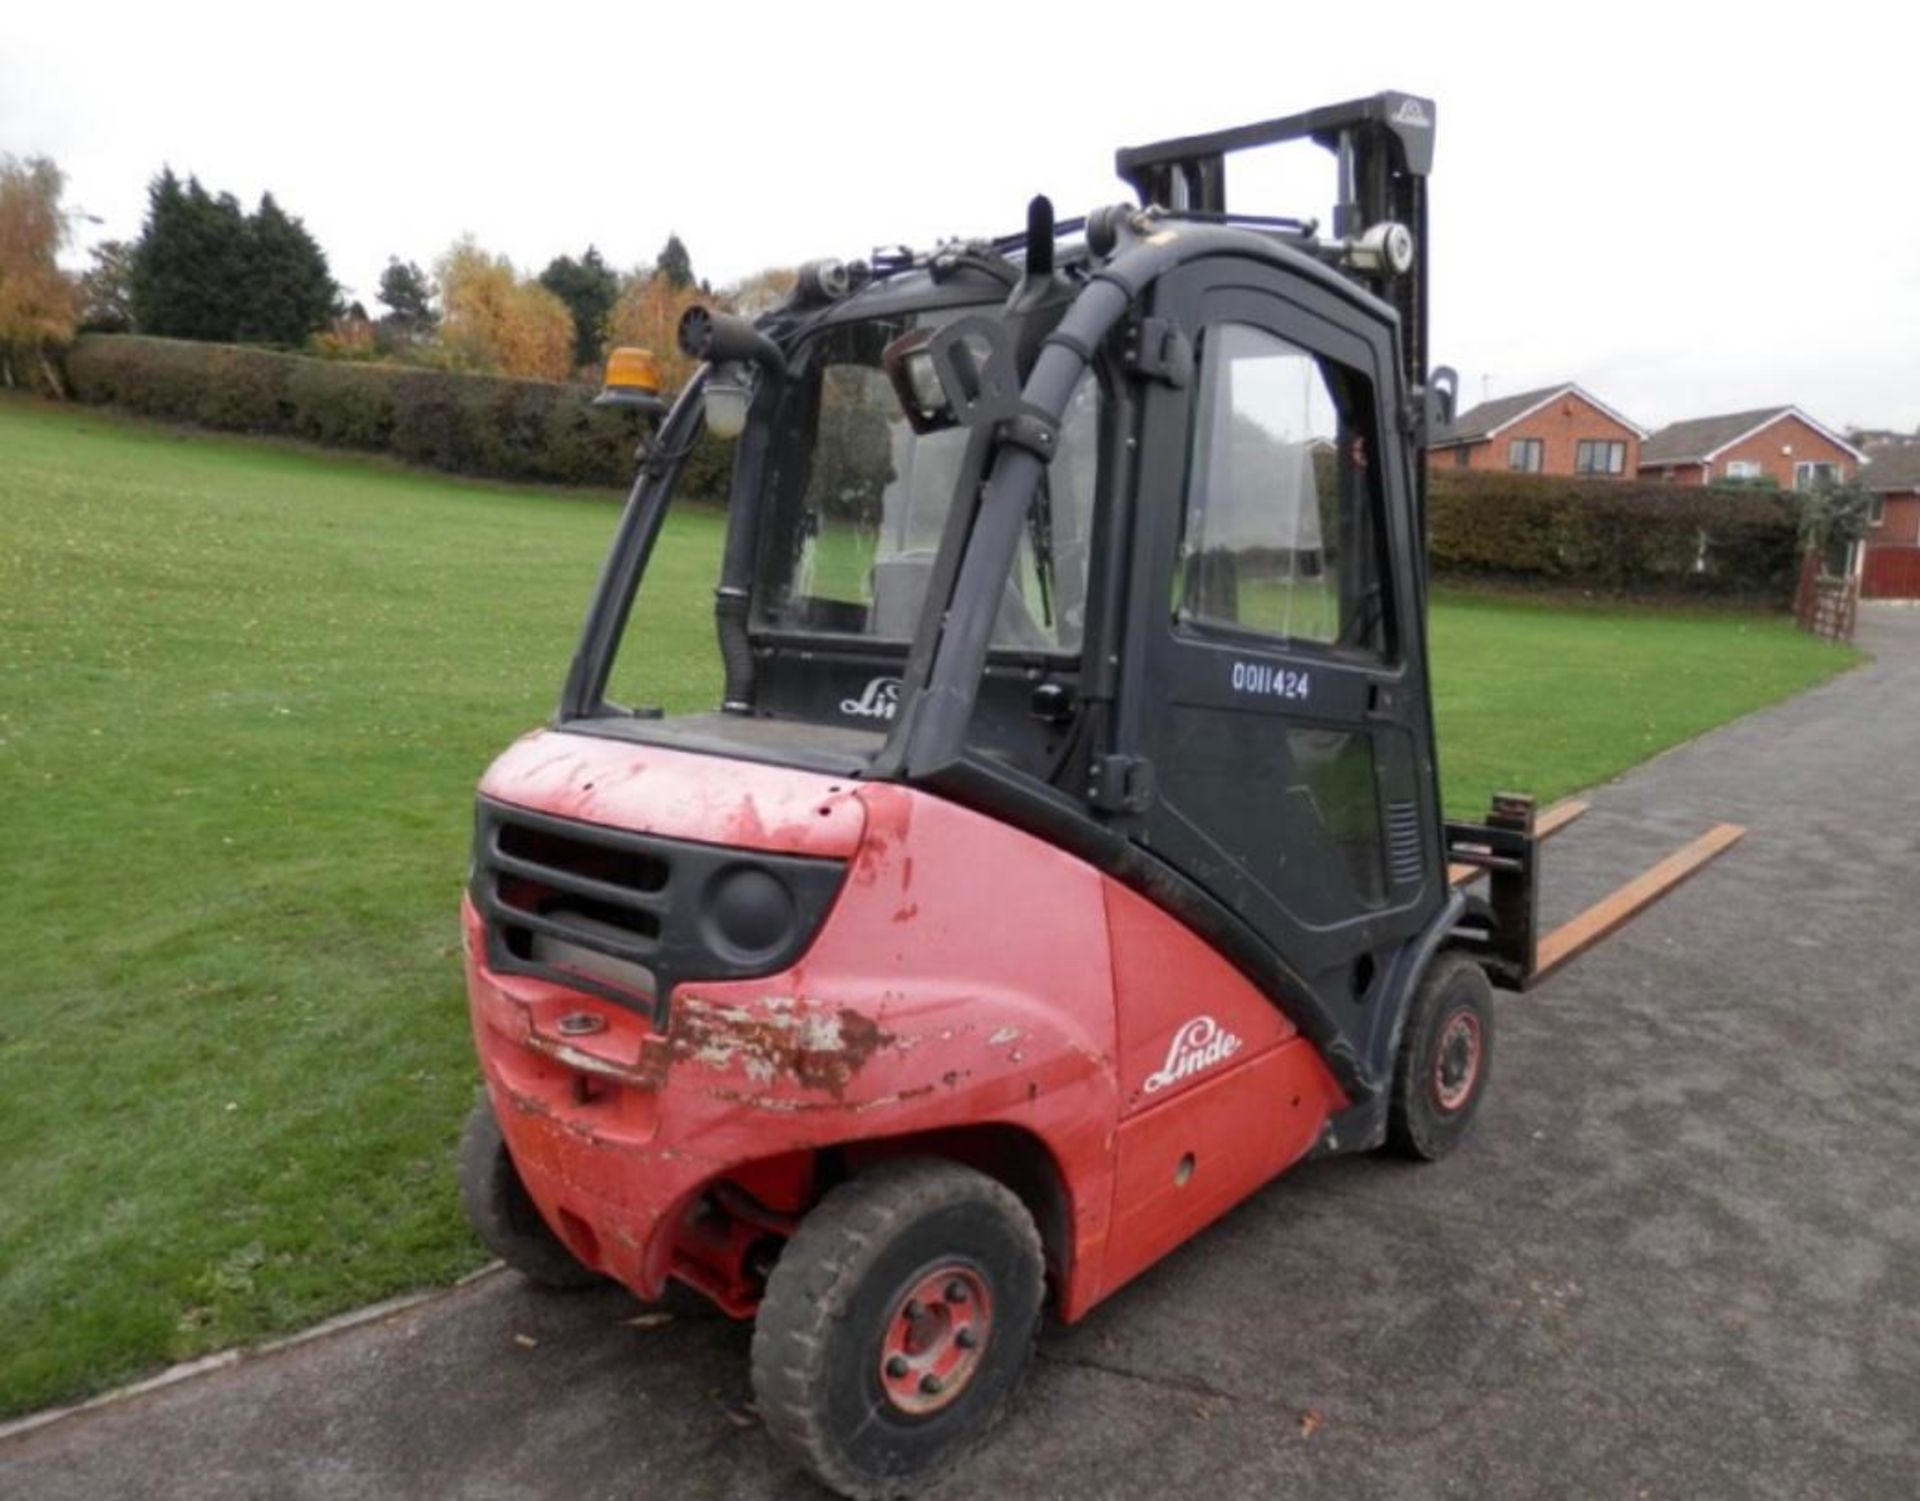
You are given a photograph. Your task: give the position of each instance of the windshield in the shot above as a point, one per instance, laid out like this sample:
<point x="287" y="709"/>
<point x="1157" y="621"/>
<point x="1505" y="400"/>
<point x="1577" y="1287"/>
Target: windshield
<point x="858" y="500"/>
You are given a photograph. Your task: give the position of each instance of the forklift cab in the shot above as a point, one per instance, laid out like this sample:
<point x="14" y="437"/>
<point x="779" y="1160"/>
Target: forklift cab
<point x="1112" y="531"/>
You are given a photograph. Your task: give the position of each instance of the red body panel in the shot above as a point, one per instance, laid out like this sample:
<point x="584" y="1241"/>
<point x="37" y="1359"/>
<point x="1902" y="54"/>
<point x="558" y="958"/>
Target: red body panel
<point x="968" y="976"/>
<point x="653" y="790"/>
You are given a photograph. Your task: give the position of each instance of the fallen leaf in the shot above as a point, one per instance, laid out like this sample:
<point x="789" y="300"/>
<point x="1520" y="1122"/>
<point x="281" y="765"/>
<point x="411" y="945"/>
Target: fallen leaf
<point x="525" y="1341"/>
<point x="743" y="1416"/>
<point x="1311" y="1422"/>
<point x="649" y="1321"/>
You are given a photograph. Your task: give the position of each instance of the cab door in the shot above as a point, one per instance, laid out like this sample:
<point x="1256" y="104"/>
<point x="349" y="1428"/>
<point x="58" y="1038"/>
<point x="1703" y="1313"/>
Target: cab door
<point x="1273" y="699"/>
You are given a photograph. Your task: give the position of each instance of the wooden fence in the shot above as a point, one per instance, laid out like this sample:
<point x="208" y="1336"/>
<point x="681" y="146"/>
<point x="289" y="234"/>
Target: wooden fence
<point x="1825" y="604"/>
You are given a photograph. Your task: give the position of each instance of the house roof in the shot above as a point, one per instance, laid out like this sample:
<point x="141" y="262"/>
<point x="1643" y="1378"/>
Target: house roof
<point x="1486" y="420"/>
<point x="1892" y="466"/>
<point x="1700" y="439"/>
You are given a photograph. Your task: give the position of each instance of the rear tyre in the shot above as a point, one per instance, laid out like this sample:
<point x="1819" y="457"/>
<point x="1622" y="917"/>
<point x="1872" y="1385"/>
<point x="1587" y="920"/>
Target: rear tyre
<point x="502" y="1213"/>
<point x="897" y="1323"/>
<point x="1446" y="1055"/>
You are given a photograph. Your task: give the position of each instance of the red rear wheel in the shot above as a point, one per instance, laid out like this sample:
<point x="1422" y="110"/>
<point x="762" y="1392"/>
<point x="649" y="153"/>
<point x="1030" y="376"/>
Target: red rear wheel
<point x="897" y="1323"/>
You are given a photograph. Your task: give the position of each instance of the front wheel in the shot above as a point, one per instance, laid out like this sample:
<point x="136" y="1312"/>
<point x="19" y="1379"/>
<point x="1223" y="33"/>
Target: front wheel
<point x="1446" y="1055"/>
<point x="897" y="1323"/>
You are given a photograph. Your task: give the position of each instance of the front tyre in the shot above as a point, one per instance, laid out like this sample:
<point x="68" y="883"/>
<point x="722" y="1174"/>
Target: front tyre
<point x="502" y="1212"/>
<point x="897" y="1323"/>
<point x="1446" y="1055"/>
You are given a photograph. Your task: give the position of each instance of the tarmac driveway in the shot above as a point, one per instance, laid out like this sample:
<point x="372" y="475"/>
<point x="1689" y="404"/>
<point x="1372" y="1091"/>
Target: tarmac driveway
<point x="1680" y="1258"/>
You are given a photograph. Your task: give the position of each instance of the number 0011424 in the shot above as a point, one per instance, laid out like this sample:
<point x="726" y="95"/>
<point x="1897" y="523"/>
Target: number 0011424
<point x="1271" y="682"/>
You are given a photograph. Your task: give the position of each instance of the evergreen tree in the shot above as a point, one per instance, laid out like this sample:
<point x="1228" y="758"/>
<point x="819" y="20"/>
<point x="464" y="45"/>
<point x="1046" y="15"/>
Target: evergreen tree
<point x="589" y="288"/>
<point x="675" y="264"/>
<point x="190" y="265"/>
<point x="407" y="293"/>
<point x="205" y="270"/>
<point x="286" y="293"/>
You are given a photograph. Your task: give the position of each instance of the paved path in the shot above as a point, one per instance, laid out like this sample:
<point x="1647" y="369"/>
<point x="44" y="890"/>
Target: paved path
<point x="1681" y="1257"/>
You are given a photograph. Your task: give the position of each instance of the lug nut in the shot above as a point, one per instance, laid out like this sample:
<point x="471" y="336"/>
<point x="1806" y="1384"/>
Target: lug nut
<point x="914" y="1309"/>
<point x="956" y="1291"/>
<point x="930" y="1385"/>
<point x="897" y="1366"/>
<point x="966" y="1339"/>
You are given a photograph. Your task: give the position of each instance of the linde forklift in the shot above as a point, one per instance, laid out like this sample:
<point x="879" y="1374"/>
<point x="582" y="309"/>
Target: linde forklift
<point x="1065" y="857"/>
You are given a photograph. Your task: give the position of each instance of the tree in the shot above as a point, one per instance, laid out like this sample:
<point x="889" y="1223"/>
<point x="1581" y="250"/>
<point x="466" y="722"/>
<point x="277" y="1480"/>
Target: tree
<point x="675" y="264"/>
<point x="36" y="298"/>
<point x="760" y="292"/>
<point x="287" y="292"/>
<point x="106" y="289"/>
<point x="492" y="320"/>
<point x="190" y="263"/>
<point x="589" y="288"/>
<point x="1833" y="518"/>
<point x="407" y="293"/>
<point x="203" y="269"/>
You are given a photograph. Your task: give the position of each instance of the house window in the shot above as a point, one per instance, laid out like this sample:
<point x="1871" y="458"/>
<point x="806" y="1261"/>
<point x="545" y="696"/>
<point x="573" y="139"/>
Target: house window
<point x="1809" y="474"/>
<point x="1525" y="455"/>
<point x="1599" y="456"/>
<point x="1876" y="510"/>
<point x="1743" y="469"/>
<point x="1462" y="457"/>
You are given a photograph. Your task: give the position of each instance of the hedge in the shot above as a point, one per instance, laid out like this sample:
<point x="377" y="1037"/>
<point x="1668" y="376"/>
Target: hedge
<point x="1614" y="536"/>
<point x="465" y="424"/>
<point x="1611" y="536"/>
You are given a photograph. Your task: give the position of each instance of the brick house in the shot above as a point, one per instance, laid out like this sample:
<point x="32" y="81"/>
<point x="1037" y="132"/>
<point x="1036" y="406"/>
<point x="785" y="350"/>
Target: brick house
<point x="1783" y="444"/>
<point x="1890" y="552"/>
<point x="1554" y="430"/>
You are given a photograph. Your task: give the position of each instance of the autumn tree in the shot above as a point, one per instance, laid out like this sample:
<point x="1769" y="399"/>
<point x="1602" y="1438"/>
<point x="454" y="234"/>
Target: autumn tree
<point x="493" y="320"/>
<point x="36" y="298"/>
<point x="106" y="289"/>
<point x="589" y="287"/>
<point x="647" y="315"/>
<point x="761" y="292"/>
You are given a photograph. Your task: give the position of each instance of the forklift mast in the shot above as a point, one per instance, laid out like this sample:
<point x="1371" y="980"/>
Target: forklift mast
<point x="1383" y="146"/>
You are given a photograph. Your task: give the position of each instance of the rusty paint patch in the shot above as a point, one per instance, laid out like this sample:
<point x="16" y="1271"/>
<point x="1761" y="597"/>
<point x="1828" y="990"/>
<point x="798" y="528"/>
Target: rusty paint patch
<point x="784" y="1038"/>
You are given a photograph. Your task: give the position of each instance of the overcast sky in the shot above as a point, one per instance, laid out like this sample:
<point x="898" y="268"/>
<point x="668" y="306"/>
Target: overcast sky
<point x="1688" y="210"/>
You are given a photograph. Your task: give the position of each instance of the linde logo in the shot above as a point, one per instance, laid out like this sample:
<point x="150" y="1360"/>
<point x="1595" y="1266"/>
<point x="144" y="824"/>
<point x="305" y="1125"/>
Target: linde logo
<point x="1412" y="112"/>
<point x="1199" y="1044"/>
<point x="878" y="700"/>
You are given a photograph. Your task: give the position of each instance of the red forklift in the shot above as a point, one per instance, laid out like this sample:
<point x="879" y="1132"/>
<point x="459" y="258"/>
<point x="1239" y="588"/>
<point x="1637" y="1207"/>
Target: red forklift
<point x="1065" y="857"/>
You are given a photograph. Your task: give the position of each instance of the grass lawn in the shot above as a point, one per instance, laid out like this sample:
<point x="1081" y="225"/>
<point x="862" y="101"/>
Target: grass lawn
<point x="245" y="691"/>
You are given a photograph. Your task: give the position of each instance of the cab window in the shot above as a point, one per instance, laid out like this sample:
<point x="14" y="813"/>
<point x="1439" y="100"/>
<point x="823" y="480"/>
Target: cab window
<point x="1279" y="538"/>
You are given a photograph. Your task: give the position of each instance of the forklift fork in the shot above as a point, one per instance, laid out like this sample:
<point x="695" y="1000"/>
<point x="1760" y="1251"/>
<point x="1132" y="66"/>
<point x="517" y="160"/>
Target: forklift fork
<point x="1504" y="932"/>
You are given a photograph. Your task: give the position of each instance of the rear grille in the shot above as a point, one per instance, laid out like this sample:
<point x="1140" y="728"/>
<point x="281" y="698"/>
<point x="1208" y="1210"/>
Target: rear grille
<point x="618" y="914"/>
<point x="1403" y="843"/>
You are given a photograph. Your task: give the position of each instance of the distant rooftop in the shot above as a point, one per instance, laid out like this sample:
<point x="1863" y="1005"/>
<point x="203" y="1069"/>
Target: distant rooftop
<point x="1485" y="420"/>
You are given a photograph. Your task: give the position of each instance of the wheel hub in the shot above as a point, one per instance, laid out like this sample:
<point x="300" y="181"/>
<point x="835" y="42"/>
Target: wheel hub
<point x="1456" y="1061"/>
<point x="934" y="1339"/>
